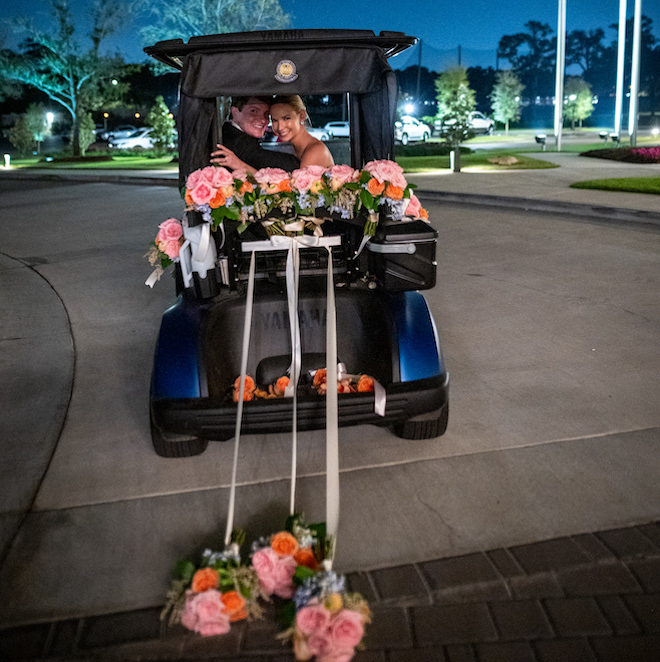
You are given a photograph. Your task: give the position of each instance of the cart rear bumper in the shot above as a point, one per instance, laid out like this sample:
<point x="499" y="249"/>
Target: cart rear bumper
<point x="215" y="420"/>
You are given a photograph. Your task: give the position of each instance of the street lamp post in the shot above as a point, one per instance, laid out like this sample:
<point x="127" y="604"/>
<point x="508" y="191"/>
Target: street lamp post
<point x="620" y="63"/>
<point x="634" y="75"/>
<point x="559" y="80"/>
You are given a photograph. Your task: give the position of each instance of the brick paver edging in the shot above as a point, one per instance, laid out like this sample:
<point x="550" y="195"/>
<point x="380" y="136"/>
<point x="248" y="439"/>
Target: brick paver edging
<point x="592" y="597"/>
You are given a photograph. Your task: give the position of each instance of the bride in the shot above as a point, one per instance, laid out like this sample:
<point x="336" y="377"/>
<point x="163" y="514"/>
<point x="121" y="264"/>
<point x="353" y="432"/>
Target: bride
<point x="288" y="115"/>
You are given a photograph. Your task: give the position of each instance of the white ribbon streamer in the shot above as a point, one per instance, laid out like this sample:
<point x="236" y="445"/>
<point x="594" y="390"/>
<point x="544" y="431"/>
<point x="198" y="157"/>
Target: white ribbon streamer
<point x="241" y="391"/>
<point x="332" y="417"/>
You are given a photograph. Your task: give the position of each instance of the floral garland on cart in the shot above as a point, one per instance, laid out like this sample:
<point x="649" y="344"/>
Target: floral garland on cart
<point x="288" y="203"/>
<point x="293" y="566"/>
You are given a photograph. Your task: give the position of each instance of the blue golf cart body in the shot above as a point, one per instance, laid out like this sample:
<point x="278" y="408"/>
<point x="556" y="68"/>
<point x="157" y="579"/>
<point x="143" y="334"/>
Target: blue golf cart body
<point x="384" y="326"/>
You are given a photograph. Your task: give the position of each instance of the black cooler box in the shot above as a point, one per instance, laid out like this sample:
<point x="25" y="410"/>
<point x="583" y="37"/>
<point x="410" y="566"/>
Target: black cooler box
<point x="402" y="255"/>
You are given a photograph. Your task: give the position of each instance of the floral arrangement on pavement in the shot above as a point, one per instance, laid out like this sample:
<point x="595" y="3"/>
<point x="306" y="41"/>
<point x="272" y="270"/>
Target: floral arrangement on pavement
<point x="208" y="597"/>
<point x="324" y="620"/>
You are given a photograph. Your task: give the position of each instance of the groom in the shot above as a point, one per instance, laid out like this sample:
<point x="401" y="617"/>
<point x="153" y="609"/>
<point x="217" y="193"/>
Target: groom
<point x="250" y="117"/>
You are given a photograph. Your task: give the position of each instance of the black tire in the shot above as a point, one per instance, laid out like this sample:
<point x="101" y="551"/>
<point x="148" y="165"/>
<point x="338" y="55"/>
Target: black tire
<point x="425" y="137"/>
<point x="425" y="429"/>
<point x="180" y="446"/>
<point x="404" y="139"/>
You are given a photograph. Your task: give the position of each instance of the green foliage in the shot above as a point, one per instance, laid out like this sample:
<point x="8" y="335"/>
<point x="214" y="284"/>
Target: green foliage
<point x="532" y="56"/>
<point x="189" y="18"/>
<point x="20" y="136"/>
<point x="162" y="122"/>
<point x="505" y="97"/>
<point x="578" y="100"/>
<point x="86" y="132"/>
<point x="36" y="121"/>
<point x="57" y="64"/>
<point x="456" y="100"/>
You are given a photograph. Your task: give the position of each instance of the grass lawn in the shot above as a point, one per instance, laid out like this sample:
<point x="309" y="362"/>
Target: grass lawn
<point x="115" y="163"/>
<point x="478" y="161"/>
<point x="627" y="184"/>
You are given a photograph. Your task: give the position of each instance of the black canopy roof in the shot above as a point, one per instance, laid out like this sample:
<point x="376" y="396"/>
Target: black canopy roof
<point x="305" y="62"/>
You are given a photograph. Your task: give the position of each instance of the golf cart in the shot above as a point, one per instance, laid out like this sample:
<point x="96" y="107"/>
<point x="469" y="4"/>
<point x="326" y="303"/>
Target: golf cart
<point x="384" y="326"/>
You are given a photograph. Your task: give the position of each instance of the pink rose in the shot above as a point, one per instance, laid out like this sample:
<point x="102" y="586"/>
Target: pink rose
<point x="202" y="194"/>
<point x="342" y="656"/>
<point x="170" y="248"/>
<point x="387" y="171"/>
<point x="319" y="644"/>
<point x="169" y="230"/>
<point x="275" y="573"/>
<point x="346" y="629"/>
<point x="240" y="174"/>
<point x="271" y="175"/>
<point x="313" y="618"/>
<point x="302" y="180"/>
<point x="342" y="174"/>
<point x="413" y="206"/>
<point x="316" y="171"/>
<point x="205" y="613"/>
<point x="221" y="177"/>
<point x="194" y="178"/>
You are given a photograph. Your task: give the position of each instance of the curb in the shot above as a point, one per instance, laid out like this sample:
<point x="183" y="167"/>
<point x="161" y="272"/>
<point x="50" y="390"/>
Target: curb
<point x="602" y="213"/>
<point x="547" y="206"/>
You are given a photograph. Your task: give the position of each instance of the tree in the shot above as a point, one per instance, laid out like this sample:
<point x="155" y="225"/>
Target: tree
<point x="86" y="133"/>
<point x="578" y="100"/>
<point x="505" y="98"/>
<point x="532" y="56"/>
<point x="455" y="103"/>
<point x="35" y="118"/>
<point x="584" y="49"/>
<point x="20" y="136"/>
<point x="481" y="80"/>
<point x="55" y="64"/>
<point x="161" y="120"/>
<point x="188" y="18"/>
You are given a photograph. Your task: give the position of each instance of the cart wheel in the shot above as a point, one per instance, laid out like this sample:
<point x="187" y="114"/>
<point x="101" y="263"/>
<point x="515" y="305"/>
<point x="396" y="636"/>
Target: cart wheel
<point x="180" y="446"/>
<point x="430" y="428"/>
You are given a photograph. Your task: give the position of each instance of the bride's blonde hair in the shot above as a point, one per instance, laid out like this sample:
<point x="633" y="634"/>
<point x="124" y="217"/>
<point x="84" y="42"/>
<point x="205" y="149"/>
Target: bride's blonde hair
<point x="293" y="100"/>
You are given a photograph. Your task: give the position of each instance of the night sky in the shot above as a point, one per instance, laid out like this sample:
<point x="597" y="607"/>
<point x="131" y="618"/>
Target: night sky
<point x="476" y="25"/>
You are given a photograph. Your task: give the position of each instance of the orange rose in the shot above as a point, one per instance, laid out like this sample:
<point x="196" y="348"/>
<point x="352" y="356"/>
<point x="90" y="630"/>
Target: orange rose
<point x="188" y="198"/>
<point x="284" y="186"/>
<point x="218" y="200"/>
<point x="283" y="543"/>
<point x="249" y="384"/>
<point x="375" y="187"/>
<point x="423" y="213"/>
<point x="394" y="192"/>
<point x="234" y="604"/>
<point x="365" y="383"/>
<point x="305" y="556"/>
<point x="320" y="376"/>
<point x="247" y="395"/>
<point x="205" y="579"/>
<point x="246" y="188"/>
<point x="280" y="385"/>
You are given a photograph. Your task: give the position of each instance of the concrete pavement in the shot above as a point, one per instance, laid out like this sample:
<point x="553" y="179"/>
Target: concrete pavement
<point x="468" y="186"/>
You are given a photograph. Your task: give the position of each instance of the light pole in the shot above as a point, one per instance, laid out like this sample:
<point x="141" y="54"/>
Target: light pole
<point x="559" y="80"/>
<point x="634" y="75"/>
<point x="620" y="63"/>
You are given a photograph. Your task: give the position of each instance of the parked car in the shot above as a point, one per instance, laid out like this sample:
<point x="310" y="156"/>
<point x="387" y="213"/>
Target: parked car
<point x="410" y="129"/>
<point x="122" y="131"/>
<point x="338" y="129"/>
<point x="477" y="121"/>
<point x="319" y="133"/>
<point x="140" y="138"/>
